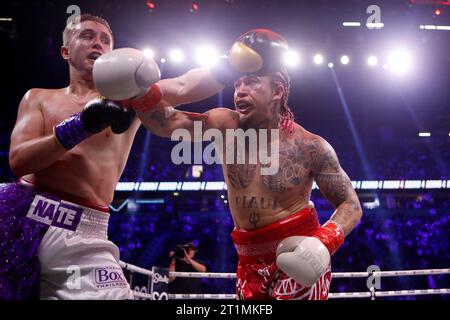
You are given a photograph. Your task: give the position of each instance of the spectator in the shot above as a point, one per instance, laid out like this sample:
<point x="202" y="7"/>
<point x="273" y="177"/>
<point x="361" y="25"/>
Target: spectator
<point x="182" y="260"/>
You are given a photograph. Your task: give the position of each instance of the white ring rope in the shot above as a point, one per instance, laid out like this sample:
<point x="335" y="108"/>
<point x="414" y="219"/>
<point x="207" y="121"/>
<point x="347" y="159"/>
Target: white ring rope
<point x="397" y="293"/>
<point x="138" y="294"/>
<point x="133" y="268"/>
<point x="335" y="275"/>
<point x="397" y="273"/>
<point x="340" y="295"/>
<point x="216" y="275"/>
<point x="394" y="293"/>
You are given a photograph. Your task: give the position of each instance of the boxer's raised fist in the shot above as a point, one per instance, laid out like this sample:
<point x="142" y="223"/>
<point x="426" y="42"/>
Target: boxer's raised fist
<point x="100" y="113"/>
<point x="258" y="51"/>
<point x="97" y="115"/>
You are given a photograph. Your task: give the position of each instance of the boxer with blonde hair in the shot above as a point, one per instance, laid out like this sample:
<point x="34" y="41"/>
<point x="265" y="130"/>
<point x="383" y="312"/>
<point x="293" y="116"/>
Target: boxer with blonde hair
<point x="68" y="149"/>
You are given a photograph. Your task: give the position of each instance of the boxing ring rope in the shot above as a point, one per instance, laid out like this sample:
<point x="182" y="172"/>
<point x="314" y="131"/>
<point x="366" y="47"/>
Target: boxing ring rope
<point x="334" y="275"/>
<point x="133" y="268"/>
<point x="341" y="295"/>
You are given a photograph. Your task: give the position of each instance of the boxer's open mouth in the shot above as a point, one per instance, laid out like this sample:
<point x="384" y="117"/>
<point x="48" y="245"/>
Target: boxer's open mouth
<point x="243" y="106"/>
<point x="94" y="56"/>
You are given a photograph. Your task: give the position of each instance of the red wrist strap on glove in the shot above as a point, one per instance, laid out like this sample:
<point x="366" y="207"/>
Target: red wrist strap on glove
<point x="331" y="235"/>
<point x="148" y="101"/>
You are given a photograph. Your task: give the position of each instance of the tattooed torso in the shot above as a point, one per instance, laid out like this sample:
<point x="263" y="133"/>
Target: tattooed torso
<point x="257" y="200"/>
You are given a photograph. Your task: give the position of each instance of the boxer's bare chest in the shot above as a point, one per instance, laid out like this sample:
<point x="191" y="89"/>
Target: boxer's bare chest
<point x="92" y="168"/>
<point x="58" y="105"/>
<point x="255" y="197"/>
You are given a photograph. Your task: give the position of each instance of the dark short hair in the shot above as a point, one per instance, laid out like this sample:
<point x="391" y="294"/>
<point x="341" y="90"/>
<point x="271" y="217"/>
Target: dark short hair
<point x="69" y="30"/>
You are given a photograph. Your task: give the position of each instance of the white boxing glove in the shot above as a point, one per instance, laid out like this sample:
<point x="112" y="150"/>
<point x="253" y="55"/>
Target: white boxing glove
<point x="125" y="73"/>
<point x="304" y="259"/>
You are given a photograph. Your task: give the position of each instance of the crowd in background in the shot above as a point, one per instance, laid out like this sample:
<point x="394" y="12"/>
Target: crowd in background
<point x="401" y="232"/>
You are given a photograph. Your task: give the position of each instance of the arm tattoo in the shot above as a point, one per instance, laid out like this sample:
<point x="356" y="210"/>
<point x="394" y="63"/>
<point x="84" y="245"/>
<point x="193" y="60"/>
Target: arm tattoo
<point x="334" y="186"/>
<point x="347" y="215"/>
<point x="159" y="117"/>
<point x="331" y="179"/>
<point x="233" y="115"/>
<point x="327" y="161"/>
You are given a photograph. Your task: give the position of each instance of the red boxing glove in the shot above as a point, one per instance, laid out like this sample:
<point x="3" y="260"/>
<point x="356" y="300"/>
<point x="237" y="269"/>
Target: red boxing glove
<point x="331" y="235"/>
<point x="147" y="101"/>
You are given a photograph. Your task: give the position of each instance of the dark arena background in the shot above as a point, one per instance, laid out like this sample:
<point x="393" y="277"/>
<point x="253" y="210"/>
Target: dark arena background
<point x="384" y="107"/>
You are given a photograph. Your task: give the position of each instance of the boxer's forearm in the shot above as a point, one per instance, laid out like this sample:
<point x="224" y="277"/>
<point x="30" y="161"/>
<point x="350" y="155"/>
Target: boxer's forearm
<point x="337" y="189"/>
<point x="195" y="85"/>
<point x="162" y="121"/>
<point x="348" y="214"/>
<point x="34" y="155"/>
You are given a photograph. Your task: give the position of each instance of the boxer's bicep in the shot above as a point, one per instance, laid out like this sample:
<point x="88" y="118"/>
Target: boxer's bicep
<point x="333" y="182"/>
<point x="222" y="119"/>
<point x="336" y="187"/>
<point x="198" y="123"/>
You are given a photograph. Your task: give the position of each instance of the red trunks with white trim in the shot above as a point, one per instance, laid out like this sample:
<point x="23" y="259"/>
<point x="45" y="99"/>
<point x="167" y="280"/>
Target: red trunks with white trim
<point x="258" y="276"/>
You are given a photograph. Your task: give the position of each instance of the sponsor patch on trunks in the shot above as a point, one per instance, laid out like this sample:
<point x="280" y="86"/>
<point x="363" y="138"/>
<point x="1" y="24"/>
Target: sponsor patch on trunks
<point x="109" y="277"/>
<point x="61" y="214"/>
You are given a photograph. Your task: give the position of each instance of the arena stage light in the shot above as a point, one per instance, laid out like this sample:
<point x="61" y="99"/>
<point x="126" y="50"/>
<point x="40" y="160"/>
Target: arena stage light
<point x="206" y="56"/>
<point x="194" y="7"/>
<point x="318" y="59"/>
<point x="330" y="65"/>
<point x="399" y="62"/>
<point x="176" y="56"/>
<point x="291" y="58"/>
<point x="345" y="59"/>
<point x="150" y="5"/>
<point x="372" y="61"/>
<point x="149" y="53"/>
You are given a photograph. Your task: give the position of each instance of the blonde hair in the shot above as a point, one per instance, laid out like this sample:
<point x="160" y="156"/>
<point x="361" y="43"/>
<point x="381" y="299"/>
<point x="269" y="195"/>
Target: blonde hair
<point x="70" y="28"/>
